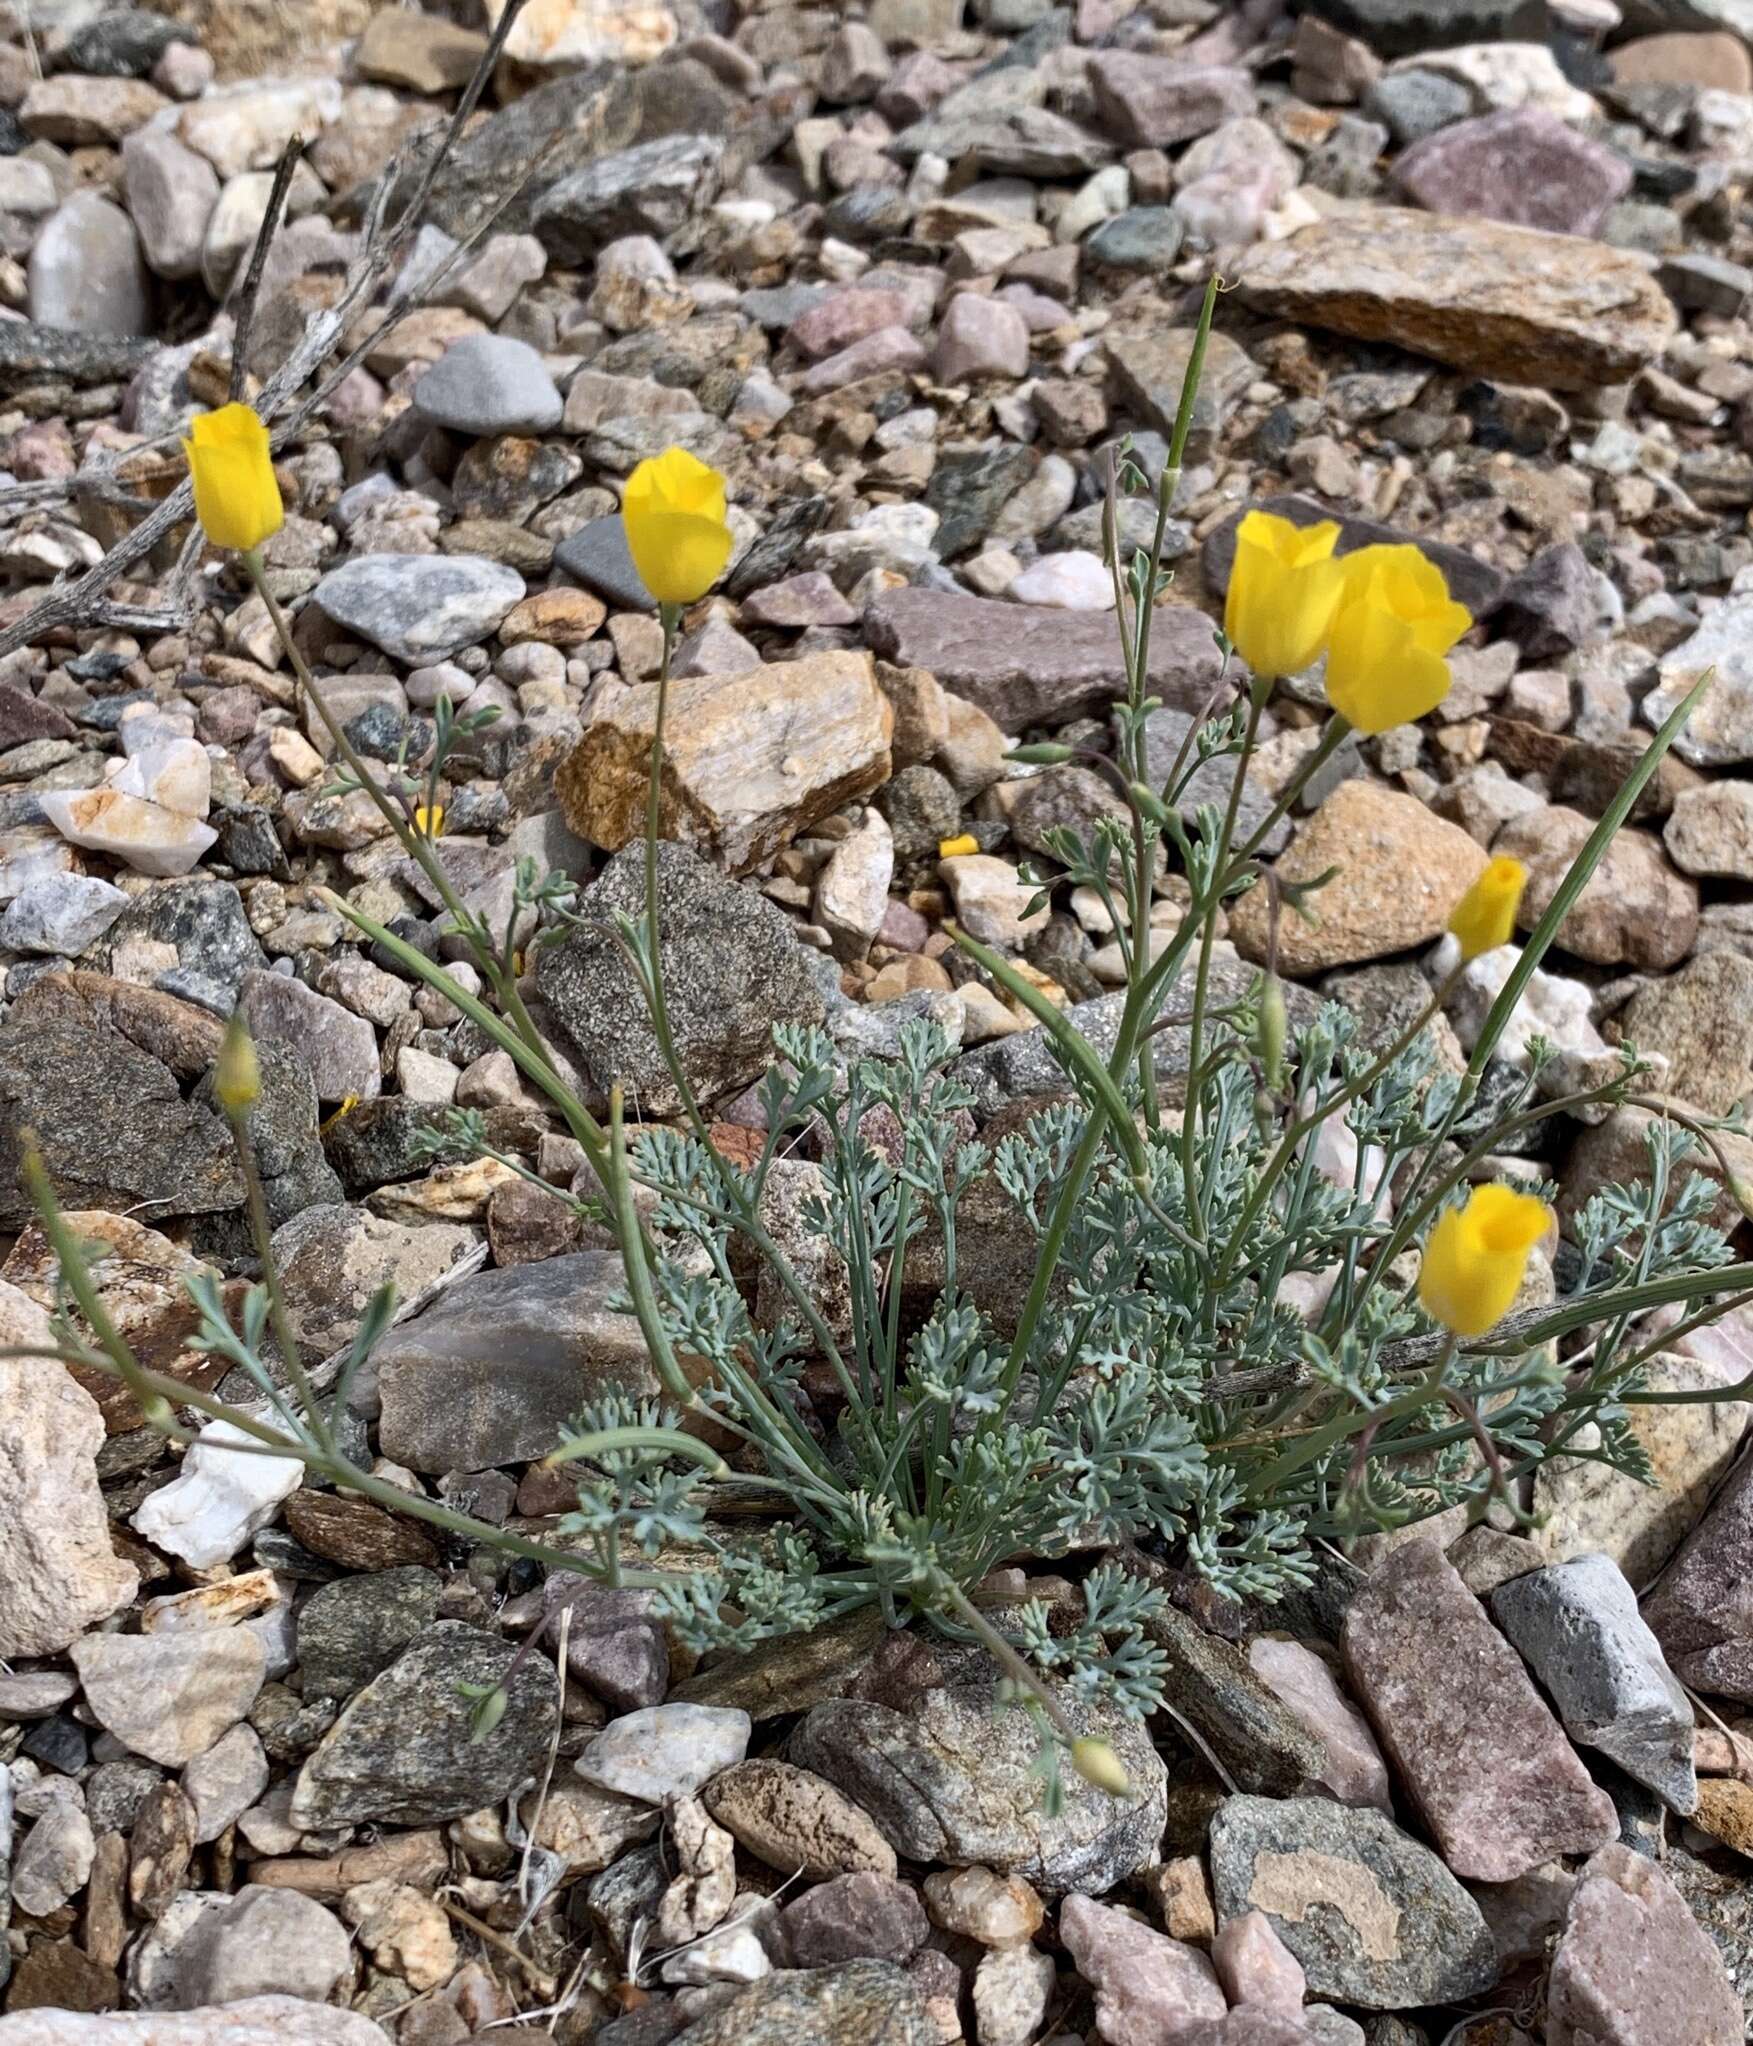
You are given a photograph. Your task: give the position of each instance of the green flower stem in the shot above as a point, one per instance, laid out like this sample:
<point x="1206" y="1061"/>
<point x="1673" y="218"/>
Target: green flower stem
<point x="1026" y="1680"/>
<point x="1331" y="740"/>
<point x="285" y="1335"/>
<point x="603" y="1442"/>
<point x="1314" y="1445"/>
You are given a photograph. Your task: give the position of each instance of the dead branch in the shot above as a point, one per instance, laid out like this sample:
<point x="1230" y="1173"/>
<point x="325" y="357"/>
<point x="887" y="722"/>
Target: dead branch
<point x="252" y="283"/>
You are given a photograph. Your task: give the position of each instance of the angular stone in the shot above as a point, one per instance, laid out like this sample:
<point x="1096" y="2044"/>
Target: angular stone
<point x="732" y="970"/>
<point x="171" y="194"/>
<point x="946" y="1781"/>
<point x="1352" y="1769"/>
<point x="1523" y="165"/>
<point x="495" y="1368"/>
<point x="1013" y="141"/>
<point x="1719" y="731"/>
<point x="797" y="1822"/>
<point x="1709" y="832"/>
<point x="1633" y="1968"/>
<point x="1153" y="102"/>
<point x="1700" y="1020"/>
<point x="1256" y="1967"/>
<point x="1401" y="873"/>
<point x="651" y="188"/>
<point x="110" y="1119"/>
<point x="1494" y="300"/>
<point x="422" y="52"/>
<point x="222" y="1784"/>
<point x="1635" y="910"/>
<point x="170" y="1695"/>
<point x="58" y="1573"/>
<point x="859" y="2003"/>
<point x="854" y="1917"/>
<point x="145" y="836"/>
<point x="1030" y="666"/>
<point x="489" y="383"/>
<point x="1578" y="1627"/>
<point x="665" y="1751"/>
<point x="251" y="2021"/>
<point x="1374" y="1918"/>
<point x="404" y="1752"/>
<point x="340" y="1047"/>
<point x="749" y="760"/>
<point x="1701" y="1608"/>
<point x="419" y="608"/>
<point x="222" y="1495"/>
<point x="1147" y="1985"/>
<point x="1474" y="1743"/>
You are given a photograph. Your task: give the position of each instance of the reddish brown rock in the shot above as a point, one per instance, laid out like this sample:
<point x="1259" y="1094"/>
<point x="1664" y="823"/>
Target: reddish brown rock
<point x="1470" y="1737"/>
<point x="1701" y="1609"/>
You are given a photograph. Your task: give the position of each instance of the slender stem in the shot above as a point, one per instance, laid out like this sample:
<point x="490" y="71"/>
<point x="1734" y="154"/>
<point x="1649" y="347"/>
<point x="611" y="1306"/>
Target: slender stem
<point x="285" y="1335"/>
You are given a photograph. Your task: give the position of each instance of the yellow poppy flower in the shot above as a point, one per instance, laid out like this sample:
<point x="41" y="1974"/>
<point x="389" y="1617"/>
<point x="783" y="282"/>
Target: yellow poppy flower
<point x="1395" y="622"/>
<point x="1283" y="591"/>
<point x="1476" y="1258"/>
<point x="237" y="498"/>
<point x="673" y="512"/>
<point x="1485" y="917"/>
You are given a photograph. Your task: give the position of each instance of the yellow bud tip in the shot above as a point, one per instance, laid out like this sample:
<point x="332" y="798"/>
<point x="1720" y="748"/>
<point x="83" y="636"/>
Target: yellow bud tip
<point x="1096" y="1762"/>
<point x="237" y="1078"/>
<point x="429" y="820"/>
<point x="959" y="847"/>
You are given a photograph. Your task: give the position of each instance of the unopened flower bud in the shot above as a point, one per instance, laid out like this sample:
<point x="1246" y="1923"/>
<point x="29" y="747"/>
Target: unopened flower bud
<point x="1274" y="1023"/>
<point x="237" y="1079"/>
<point x="1096" y="1762"/>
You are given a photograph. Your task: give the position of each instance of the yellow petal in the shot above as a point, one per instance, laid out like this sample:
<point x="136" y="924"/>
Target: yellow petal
<point x="674" y="515"/>
<point x="1485" y="917"/>
<point x="1477" y="1256"/>
<point x="1284" y="587"/>
<point x="1377" y="674"/>
<point x="237" y="498"/>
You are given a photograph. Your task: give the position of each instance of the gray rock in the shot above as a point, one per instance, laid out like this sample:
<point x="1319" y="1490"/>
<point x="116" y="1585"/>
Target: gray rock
<point x="1142" y="238"/>
<point x="732" y="971"/>
<point x="404" y="1753"/>
<point x="419" y="608"/>
<point x="1211" y="781"/>
<point x="665" y="1751"/>
<point x="351" y="1630"/>
<point x="171" y="1694"/>
<point x="1402" y="28"/>
<point x="1578" y="1628"/>
<point x="862" y="2003"/>
<point x="222" y="1784"/>
<point x="1553" y="606"/>
<point x="951" y="1779"/>
<point x="282" y="1127"/>
<point x="260" y="1942"/>
<point x="597" y="555"/>
<point x="31" y="347"/>
<point x="1701" y="1607"/>
<point x="52" y="1865"/>
<point x="124" y="42"/>
<point x="968" y="488"/>
<point x="651" y="188"/>
<point x="562" y="125"/>
<point x="114" y="1129"/>
<point x="86" y="270"/>
<point x="339" y="1047"/>
<point x="1256" y="1737"/>
<point x="63" y="913"/>
<point x="1016" y="141"/>
<point x="498" y="1365"/>
<point x="1375" y="1919"/>
<point x="489" y="383"/>
<point x="205" y="920"/>
<point x="171" y="194"/>
<point x="1025" y="665"/>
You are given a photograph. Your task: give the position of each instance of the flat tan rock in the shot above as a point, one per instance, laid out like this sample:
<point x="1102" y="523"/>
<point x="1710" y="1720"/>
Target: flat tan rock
<point x="1401" y="872"/>
<point x="749" y="760"/>
<point x="1500" y="301"/>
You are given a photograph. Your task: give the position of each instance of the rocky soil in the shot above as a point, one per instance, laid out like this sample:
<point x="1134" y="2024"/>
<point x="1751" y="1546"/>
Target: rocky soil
<point x="907" y="272"/>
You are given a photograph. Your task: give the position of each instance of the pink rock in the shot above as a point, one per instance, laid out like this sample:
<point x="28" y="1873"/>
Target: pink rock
<point x="1151" y="102"/>
<point x="1634" y="1968"/>
<point x="1355" y="1772"/>
<point x="1476" y="1745"/>
<point x="846" y="317"/>
<point x="800" y="600"/>
<point x="1523" y="165"/>
<point x="1256" y="1967"/>
<point x="1150" y="1990"/>
<point x="980" y="337"/>
<point x="1248" y="2027"/>
<point x="887" y="348"/>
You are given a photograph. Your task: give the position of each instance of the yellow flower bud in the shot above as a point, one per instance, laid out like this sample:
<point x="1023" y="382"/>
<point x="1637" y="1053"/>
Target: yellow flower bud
<point x="1283" y="590"/>
<point x="429" y="821"/>
<point x="1096" y="1762"/>
<point x="957" y="848"/>
<point x="1394" y="624"/>
<point x="237" y="498"/>
<point x="237" y="1078"/>
<point x="1485" y="917"/>
<point x="1477" y="1256"/>
<point x="673" y="513"/>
